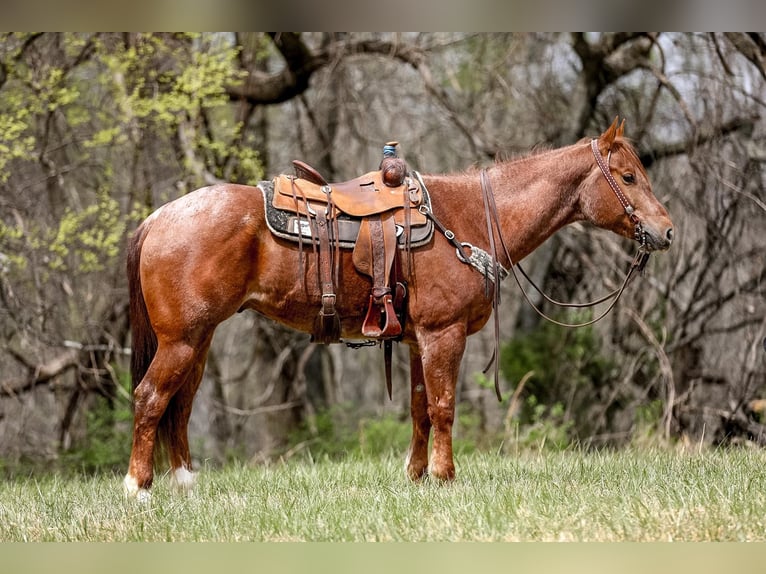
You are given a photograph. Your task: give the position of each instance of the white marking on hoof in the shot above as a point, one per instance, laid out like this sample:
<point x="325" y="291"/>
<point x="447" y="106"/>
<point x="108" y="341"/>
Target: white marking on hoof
<point x="182" y="480"/>
<point x="130" y="485"/>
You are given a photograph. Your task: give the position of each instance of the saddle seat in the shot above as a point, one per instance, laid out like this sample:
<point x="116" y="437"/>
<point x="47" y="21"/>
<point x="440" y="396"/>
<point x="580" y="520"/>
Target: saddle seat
<point x="359" y="197"/>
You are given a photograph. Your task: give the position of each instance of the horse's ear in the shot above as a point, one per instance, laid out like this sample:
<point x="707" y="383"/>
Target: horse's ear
<point x="607" y="138"/>
<point x="621" y="129"/>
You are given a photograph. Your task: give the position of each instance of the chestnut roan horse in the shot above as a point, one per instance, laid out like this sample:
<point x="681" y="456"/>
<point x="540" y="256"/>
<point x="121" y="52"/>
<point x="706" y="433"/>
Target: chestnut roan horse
<point x="199" y="259"/>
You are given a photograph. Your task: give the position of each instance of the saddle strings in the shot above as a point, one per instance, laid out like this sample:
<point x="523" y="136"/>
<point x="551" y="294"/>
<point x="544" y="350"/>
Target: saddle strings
<point x="301" y="262"/>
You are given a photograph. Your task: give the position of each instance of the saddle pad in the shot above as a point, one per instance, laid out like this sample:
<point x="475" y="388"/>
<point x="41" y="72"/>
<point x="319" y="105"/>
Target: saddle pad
<point x="287" y="224"/>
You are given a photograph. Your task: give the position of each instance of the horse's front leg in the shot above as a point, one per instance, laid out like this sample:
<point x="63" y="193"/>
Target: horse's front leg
<point x="441" y="353"/>
<point x="417" y="455"/>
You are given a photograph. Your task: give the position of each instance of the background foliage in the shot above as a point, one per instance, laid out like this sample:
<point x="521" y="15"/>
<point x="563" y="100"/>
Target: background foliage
<point x="98" y="130"/>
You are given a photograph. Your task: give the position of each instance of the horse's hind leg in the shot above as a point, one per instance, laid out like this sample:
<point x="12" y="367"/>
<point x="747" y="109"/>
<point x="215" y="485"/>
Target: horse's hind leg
<point x="174" y="426"/>
<point x="417" y="455"/>
<point x="170" y="369"/>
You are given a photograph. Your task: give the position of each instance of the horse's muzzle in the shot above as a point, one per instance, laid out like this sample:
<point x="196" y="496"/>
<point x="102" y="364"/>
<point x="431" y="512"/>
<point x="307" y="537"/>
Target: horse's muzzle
<point x="658" y="239"/>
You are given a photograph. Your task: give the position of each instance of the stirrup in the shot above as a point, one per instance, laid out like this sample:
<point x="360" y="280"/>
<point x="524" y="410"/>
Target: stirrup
<point x="372" y="322"/>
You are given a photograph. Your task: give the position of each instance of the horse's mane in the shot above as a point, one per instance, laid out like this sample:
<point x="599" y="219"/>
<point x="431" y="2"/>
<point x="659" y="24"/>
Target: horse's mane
<point x="507" y="156"/>
<point x="621" y="144"/>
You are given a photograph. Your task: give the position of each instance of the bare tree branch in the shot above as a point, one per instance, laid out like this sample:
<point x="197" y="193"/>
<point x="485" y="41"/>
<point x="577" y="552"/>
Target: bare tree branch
<point x="300" y="63"/>
<point x="666" y="368"/>
<point x="704" y="135"/>
<point x="40" y="374"/>
<point x="604" y="61"/>
<point x="752" y="47"/>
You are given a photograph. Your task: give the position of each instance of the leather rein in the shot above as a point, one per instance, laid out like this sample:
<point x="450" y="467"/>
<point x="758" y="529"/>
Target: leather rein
<point x="638" y="264"/>
<point x="493" y="271"/>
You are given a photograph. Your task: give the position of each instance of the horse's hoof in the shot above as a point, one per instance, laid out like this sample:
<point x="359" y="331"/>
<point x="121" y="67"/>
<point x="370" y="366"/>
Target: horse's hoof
<point x="416" y="474"/>
<point x="182" y="480"/>
<point x="416" y="468"/>
<point x="132" y="490"/>
<point x="443" y="475"/>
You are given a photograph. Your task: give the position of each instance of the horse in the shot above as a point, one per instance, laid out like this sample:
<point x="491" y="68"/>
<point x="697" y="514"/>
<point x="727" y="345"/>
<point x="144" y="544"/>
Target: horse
<point x="199" y="259"/>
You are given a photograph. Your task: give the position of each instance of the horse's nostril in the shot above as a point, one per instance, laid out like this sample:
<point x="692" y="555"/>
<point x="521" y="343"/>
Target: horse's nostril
<point x="669" y="234"/>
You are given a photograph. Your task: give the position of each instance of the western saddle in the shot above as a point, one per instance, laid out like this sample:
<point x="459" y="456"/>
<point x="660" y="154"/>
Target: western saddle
<point x="376" y="215"/>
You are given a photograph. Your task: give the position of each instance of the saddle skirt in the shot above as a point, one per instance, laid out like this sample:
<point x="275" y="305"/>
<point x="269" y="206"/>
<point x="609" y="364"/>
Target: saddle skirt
<point x="287" y="216"/>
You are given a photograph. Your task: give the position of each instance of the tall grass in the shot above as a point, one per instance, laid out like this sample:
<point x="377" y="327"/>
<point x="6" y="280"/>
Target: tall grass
<point x="607" y="496"/>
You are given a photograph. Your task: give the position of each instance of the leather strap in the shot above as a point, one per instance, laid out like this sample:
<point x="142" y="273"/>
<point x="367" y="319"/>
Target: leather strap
<point x="300" y="233"/>
<point x="379" y="271"/>
<point x="490" y="213"/>
<point x="325" y="264"/>
<point x="327" y="327"/>
<point x="407" y="225"/>
<point x="638" y="264"/>
<point x="388" y="348"/>
<point x="638" y="231"/>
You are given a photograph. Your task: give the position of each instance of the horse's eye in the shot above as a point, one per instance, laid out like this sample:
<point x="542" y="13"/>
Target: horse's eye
<point x="629" y="178"/>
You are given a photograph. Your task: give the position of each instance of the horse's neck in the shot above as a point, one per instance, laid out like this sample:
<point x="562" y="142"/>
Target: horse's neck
<point x="535" y="197"/>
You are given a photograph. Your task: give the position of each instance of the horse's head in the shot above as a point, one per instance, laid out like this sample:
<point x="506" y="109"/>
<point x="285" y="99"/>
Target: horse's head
<point x="617" y="194"/>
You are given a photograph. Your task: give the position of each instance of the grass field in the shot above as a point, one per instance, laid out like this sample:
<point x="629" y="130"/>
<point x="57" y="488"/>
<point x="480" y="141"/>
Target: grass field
<point x="659" y="495"/>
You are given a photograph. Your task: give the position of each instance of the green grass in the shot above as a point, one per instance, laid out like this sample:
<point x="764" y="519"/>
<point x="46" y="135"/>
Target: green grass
<point x="609" y="496"/>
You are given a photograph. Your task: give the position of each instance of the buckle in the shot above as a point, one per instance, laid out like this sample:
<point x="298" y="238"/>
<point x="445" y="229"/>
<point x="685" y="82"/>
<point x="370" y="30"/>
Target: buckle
<point x="328" y="299"/>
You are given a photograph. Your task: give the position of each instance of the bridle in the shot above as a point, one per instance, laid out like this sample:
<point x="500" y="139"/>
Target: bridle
<point x="639" y="260"/>
<point x="638" y="234"/>
<point x="493" y="271"/>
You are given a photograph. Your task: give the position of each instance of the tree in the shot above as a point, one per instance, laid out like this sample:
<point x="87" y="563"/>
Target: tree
<point x="102" y="128"/>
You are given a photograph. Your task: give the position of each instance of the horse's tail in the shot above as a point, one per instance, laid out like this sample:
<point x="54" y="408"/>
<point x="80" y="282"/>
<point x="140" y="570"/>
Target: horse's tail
<point x="143" y="337"/>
